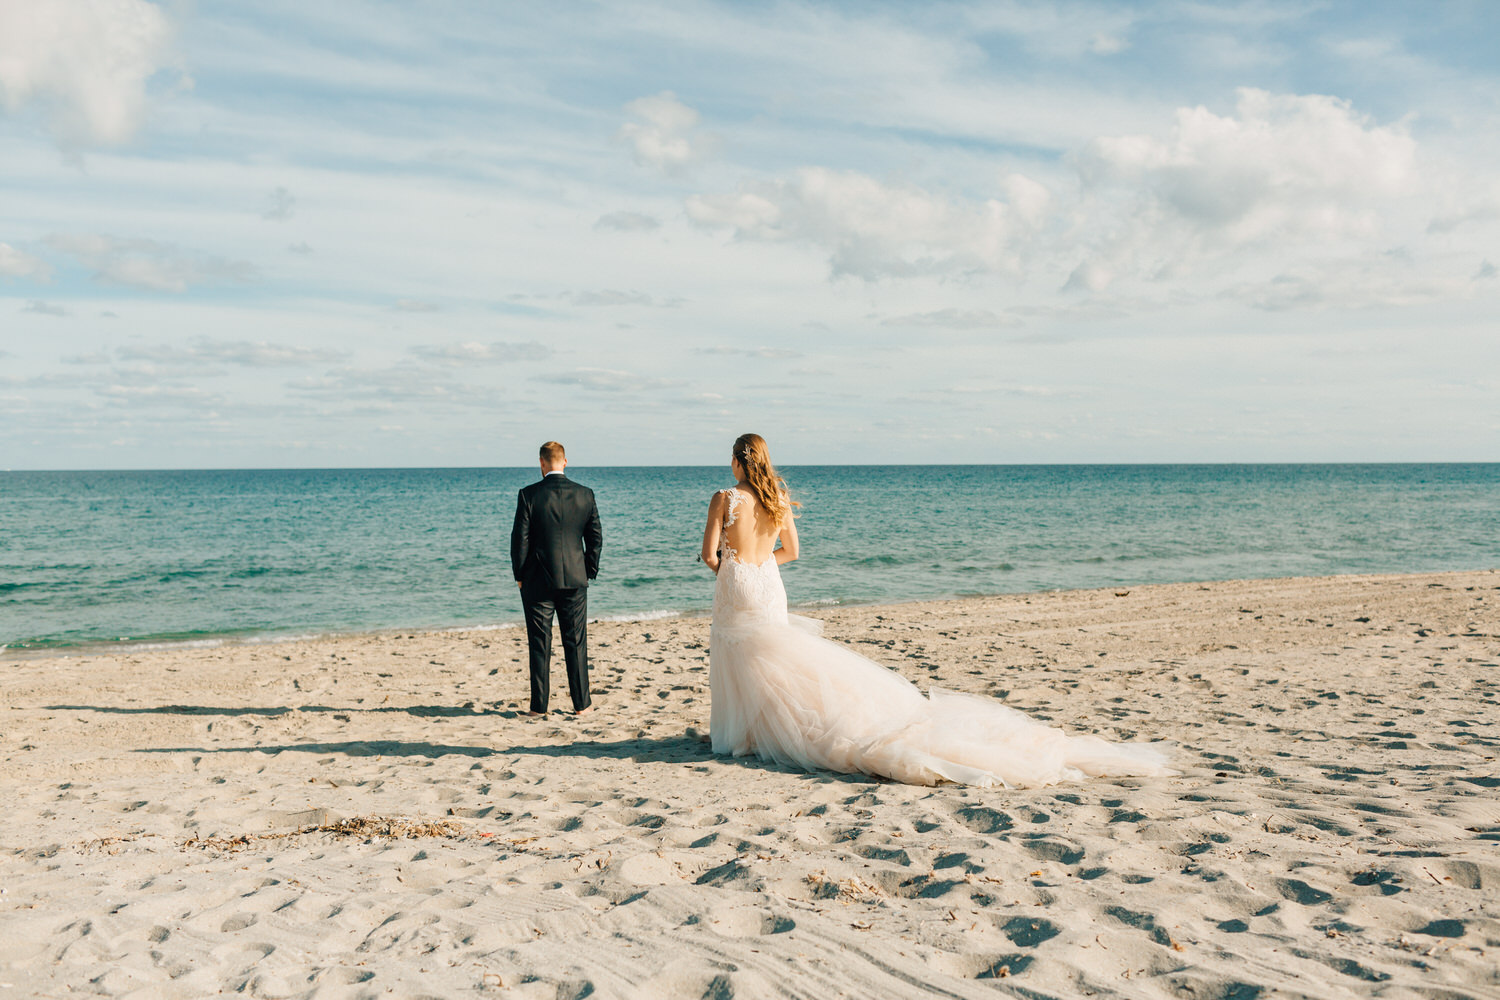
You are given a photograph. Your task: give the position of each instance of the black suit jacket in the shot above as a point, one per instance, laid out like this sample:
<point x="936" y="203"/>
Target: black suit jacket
<point x="557" y="537"/>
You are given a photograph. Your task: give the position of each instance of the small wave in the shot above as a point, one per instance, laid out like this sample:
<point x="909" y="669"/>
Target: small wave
<point x="642" y="616"/>
<point x="880" y="560"/>
<point x="996" y="568"/>
<point x="499" y="627"/>
<point x="641" y="581"/>
<point x="182" y="574"/>
<point x="42" y="646"/>
<point x="173" y="644"/>
<point x="250" y="572"/>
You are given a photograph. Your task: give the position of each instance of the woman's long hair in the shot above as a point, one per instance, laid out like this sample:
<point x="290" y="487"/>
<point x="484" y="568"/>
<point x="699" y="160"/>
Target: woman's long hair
<point x="755" y="458"/>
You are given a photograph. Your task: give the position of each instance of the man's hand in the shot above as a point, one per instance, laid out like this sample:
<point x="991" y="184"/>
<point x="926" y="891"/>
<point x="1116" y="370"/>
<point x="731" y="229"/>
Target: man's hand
<point x="519" y="584"/>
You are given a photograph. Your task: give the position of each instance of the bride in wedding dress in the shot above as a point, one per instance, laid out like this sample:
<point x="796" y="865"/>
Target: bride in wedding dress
<point x="781" y="691"/>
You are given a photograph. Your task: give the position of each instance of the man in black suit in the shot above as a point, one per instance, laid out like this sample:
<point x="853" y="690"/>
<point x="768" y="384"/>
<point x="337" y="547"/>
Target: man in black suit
<point x="554" y="553"/>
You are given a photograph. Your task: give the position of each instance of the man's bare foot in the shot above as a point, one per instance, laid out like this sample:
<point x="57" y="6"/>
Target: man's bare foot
<point x="581" y="711"/>
<point x="536" y="715"/>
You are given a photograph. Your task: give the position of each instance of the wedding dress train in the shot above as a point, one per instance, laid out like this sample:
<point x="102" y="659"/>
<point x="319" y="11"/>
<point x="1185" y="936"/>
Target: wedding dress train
<point x="781" y="691"/>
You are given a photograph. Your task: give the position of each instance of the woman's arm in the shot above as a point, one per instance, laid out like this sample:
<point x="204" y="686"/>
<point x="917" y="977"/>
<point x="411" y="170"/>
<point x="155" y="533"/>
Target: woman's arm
<point x="710" y="552"/>
<point x="788" y="551"/>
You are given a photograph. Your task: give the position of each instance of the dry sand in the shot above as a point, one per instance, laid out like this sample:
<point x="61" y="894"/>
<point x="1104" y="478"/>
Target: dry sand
<point x="371" y="815"/>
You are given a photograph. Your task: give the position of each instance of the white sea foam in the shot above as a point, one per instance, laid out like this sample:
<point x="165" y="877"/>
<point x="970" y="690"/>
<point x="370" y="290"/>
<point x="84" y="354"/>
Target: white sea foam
<point x="643" y="616"/>
<point x="126" y="645"/>
<point x="498" y="627"/>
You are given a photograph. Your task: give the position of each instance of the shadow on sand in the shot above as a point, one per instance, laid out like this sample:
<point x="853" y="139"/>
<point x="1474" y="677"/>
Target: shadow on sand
<point x="667" y="750"/>
<point x="679" y="749"/>
<point x="422" y="711"/>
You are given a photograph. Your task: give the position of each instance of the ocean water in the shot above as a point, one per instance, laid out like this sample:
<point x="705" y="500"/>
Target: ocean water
<point x="91" y="558"/>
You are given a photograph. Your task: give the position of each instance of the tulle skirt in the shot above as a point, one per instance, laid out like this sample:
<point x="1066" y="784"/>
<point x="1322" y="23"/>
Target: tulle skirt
<point x="783" y="692"/>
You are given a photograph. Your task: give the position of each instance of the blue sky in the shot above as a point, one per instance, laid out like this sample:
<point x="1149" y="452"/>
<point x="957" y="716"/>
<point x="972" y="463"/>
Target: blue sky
<point x="360" y="234"/>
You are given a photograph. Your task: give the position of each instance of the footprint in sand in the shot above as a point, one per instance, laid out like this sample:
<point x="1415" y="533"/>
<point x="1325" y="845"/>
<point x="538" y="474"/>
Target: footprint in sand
<point x="748" y="921"/>
<point x="982" y="819"/>
<point x="1468" y="875"/>
<point x="1385" y="882"/>
<point x="979" y="965"/>
<point x="238" y="922"/>
<point x="1300" y="892"/>
<point x="1028" y="932"/>
<point x="1048" y="847"/>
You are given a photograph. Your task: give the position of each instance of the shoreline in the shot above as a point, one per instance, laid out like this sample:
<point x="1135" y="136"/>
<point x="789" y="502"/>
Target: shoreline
<point x="231" y="640"/>
<point x="368" y="814"/>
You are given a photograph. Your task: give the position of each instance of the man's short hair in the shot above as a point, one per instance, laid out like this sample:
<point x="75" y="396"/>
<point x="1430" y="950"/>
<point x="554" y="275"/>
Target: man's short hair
<point x="552" y="453"/>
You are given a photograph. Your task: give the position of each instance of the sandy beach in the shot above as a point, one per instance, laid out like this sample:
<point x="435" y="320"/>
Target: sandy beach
<point x="372" y="815"/>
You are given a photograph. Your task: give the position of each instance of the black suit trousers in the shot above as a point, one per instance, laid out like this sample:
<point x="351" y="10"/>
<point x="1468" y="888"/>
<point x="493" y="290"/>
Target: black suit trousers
<point x="571" y="607"/>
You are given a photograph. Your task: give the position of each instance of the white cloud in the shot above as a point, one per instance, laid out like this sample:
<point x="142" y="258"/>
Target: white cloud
<point x="872" y="230"/>
<point x="627" y="222"/>
<point x="1469" y="215"/>
<point x="953" y="319"/>
<point x="252" y="354"/>
<point x="169" y="395"/>
<point x="1388" y="281"/>
<point x="1090" y="276"/>
<point x="44" y="308"/>
<point x="665" y="135"/>
<point x="279" y="206"/>
<point x="18" y="264"/>
<point x="402" y="382"/>
<point x="1059" y="31"/>
<point x="1105" y="44"/>
<point x="609" y="380"/>
<point x="148" y="264"/>
<point x="611" y="297"/>
<point x="1283" y="168"/>
<point x="44" y="381"/>
<point x="415" y="306"/>
<point x="774" y="353"/>
<point x="474" y="352"/>
<point x="614" y="297"/>
<point x="86" y="62"/>
<point x="1007" y="389"/>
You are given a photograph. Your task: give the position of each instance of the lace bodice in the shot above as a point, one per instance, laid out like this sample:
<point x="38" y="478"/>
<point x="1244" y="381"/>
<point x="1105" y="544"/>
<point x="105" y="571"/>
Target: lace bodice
<point x="731" y="512"/>
<point x="745" y="594"/>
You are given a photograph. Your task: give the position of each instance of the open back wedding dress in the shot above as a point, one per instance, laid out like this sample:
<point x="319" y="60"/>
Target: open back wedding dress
<point x="783" y="692"/>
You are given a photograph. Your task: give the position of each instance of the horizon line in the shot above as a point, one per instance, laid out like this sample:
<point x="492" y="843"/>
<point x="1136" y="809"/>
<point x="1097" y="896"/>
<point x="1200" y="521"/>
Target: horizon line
<point x="789" y="465"/>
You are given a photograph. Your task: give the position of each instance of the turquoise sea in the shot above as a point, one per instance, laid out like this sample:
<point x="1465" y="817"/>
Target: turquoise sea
<point x="91" y="558"/>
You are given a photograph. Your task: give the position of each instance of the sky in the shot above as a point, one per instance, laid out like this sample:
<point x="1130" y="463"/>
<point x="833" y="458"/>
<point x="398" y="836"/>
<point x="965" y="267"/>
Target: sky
<point x="349" y="234"/>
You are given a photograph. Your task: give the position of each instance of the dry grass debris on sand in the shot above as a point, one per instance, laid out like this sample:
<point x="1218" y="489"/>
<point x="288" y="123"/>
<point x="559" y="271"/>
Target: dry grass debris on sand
<point x="373" y="815"/>
<point x="363" y="827"/>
